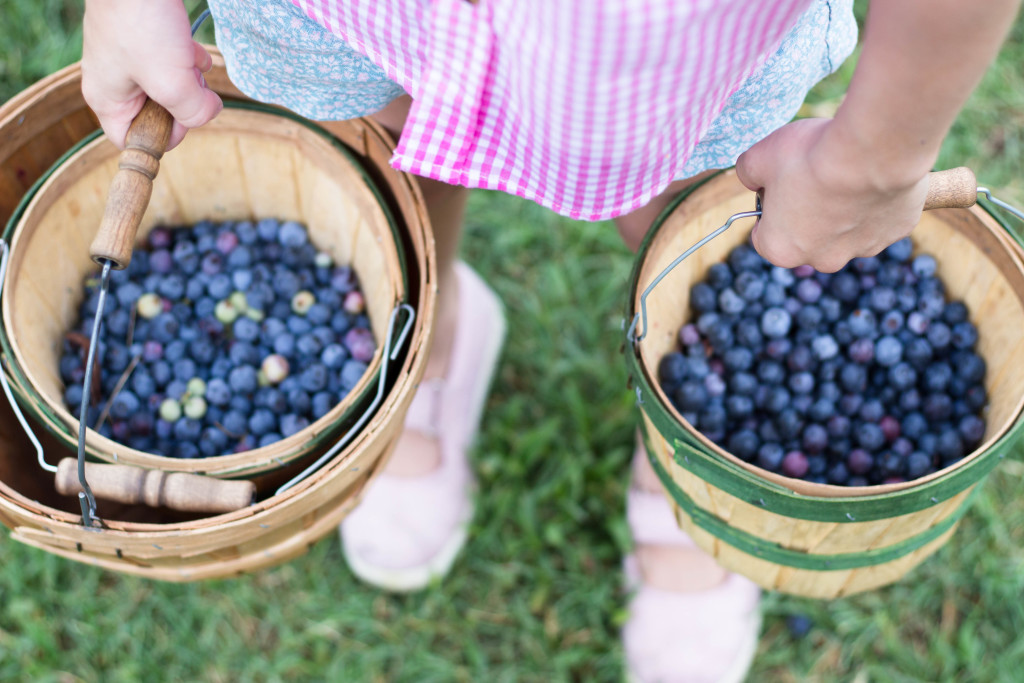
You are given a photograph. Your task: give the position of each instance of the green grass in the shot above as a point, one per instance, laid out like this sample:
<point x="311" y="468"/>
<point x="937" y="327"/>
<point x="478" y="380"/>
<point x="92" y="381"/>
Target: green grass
<point x="537" y="595"/>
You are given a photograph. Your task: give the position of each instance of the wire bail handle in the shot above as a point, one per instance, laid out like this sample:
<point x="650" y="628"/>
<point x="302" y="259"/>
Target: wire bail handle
<point x="641" y="317"/>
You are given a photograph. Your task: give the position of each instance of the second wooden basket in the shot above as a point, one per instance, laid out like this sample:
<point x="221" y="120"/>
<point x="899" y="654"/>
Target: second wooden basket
<point x="790" y="535"/>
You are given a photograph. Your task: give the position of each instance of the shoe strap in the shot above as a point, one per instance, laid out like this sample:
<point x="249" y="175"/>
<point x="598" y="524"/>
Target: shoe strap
<point x="424" y="414"/>
<point x="652" y="521"/>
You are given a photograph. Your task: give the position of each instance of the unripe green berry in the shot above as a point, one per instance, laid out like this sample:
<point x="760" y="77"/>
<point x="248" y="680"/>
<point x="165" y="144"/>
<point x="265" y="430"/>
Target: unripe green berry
<point x="275" y="368"/>
<point x="170" y="410"/>
<point x="195" y="407"/>
<point x="302" y="301"/>
<point x="150" y="305"/>
<point x="225" y="312"/>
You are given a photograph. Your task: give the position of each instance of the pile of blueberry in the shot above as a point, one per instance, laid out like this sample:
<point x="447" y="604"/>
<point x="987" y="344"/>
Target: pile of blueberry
<point x="860" y="377"/>
<point x="219" y="338"/>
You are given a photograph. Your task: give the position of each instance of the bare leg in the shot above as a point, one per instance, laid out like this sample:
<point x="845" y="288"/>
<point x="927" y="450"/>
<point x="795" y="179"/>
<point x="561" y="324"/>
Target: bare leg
<point x="415" y="453"/>
<point x="666" y="567"/>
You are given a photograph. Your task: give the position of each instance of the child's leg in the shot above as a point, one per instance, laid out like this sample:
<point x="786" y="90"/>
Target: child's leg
<point x="663" y="566"/>
<point x="417" y="453"/>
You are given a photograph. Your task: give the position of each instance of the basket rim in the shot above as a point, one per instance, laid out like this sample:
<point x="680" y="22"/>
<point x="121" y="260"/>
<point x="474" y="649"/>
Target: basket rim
<point x="233" y="465"/>
<point x="747" y="481"/>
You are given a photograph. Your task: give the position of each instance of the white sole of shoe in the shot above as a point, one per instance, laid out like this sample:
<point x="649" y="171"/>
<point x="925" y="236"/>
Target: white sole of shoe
<point x="410" y="579"/>
<point x="740" y="666"/>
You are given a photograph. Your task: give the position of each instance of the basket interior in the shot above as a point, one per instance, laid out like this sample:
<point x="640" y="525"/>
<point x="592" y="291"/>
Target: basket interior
<point x="243" y="165"/>
<point x="973" y="262"/>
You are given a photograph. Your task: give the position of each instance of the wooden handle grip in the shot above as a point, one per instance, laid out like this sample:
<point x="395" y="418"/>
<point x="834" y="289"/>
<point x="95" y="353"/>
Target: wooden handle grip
<point x="175" y="490"/>
<point x="132" y="186"/>
<point x="956" y="188"/>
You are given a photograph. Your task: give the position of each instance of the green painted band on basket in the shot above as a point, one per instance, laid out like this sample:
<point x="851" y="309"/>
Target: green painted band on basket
<point x="42" y="413"/>
<point x="696" y="457"/>
<point x="773" y="552"/>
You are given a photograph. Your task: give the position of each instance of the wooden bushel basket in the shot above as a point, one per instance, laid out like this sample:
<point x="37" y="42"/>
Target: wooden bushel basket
<point x="797" y="537"/>
<point x="43" y="123"/>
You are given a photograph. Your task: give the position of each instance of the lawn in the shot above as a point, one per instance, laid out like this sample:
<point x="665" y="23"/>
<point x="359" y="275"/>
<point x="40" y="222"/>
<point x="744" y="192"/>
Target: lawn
<point x="537" y="594"/>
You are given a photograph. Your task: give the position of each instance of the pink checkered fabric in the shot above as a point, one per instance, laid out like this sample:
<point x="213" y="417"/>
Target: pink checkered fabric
<point x="587" y="107"/>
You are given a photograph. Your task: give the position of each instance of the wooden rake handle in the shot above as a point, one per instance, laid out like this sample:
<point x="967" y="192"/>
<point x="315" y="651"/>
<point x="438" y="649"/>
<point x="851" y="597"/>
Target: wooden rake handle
<point x="156" y="488"/>
<point x="132" y="185"/>
<point x="956" y="188"/>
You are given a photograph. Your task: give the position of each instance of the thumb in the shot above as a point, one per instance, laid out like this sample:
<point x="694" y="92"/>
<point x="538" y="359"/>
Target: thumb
<point x="751" y="168"/>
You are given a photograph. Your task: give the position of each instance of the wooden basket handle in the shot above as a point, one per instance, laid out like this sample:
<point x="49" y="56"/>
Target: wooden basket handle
<point x="132" y="186"/>
<point x="156" y="488"/>
<point x="956" y="188"/>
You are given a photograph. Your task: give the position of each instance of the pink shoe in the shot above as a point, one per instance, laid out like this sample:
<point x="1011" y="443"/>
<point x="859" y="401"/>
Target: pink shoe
<point x="707" y="636"/>
<point x="407" y="531"/>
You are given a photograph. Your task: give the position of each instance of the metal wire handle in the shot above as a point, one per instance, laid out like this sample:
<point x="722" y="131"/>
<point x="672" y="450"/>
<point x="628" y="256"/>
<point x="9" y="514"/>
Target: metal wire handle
<point x="642" y="315"/>
<point x="389" y="354"/>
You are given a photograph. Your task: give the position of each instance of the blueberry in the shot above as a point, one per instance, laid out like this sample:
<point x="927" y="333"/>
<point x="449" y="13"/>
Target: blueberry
<point x="950" y="446"/>
<point x="801" y="383"/>
<point x="769" y="456"/>
<point x="775" y="322"/>
<point x="783" y="276"/>
<point x="954" y="312"/>
<point x="243" y="379"/>
<point x="902" y="376"/>
<point x="116" y="358"/>
<point x="815" y="438"/>
<point x="937" y="407"/>
<point x="213" y="442"/>
<point x="744" y="258"/>
<point x="738" y="359"/>
<point x="853" y="378"/>
<point x="845" y="287"/>
<point x="863" y="323"/>
<point x="703" y="298"/>
<point x="360" y="344"/>
<point x="186" y="256"/>
<point x="910" y="400"/>
<point x="308" y="345"/>
<point x="964" y="335"/>
<point x="187" y="429"/>
<point x="351" y="372"/>
<point x="218" y="393"/>
<point x="838" y="475"/>
<point x="923" y="266"/>
<point x="242" y="353"/>
<point x="794" y="464"/>
<point x="918" y="465"/>
<point x="719" y="276"/>
<point x="235" y="423"/>
<point x="185" y="450"/>
<point x="720" y="336"/>
<point x="314" y="378"/>
<point x="821" y="410"/>
<point x="868" y="436"/>
<point x="809" y="317"/>
<point x="691" y="395"/>
<point x="931" y="304"/>
<point x="739" y="407"/>
<point x="882" y="299"/>
<point x="789" y="423"/>
<point x="744" y="444"/>
<point x="838" y="426"/>
<point x="184" y="369"/>
<point x="777" y="399"/>
<point x="714" y="384"/>
<point x="888" y="351"/>
<point x="825" y="347"/>
<point x="972" y="430"/>
<point x="298" y="325"/>
<point x="750" y="285"/>
<point x="899" y="251"/>
<point x="712" y="418"/>
<point x="267" y="229"/>
<point x="292" y="234"/>
<point x="261" y="422"/>
<point x="246" y="329"/>
<point x="770" y="372"/>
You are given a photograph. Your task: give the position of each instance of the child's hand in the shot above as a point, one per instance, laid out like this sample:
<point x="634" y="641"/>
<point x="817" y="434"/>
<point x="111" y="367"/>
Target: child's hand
<point x="132" y="49"/>
<point x="825" y="200"/>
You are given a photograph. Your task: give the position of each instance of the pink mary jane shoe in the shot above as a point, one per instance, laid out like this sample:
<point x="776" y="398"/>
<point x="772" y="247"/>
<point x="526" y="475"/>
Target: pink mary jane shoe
<point x="407" y="531"/>
<point x="707" y="636"/>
